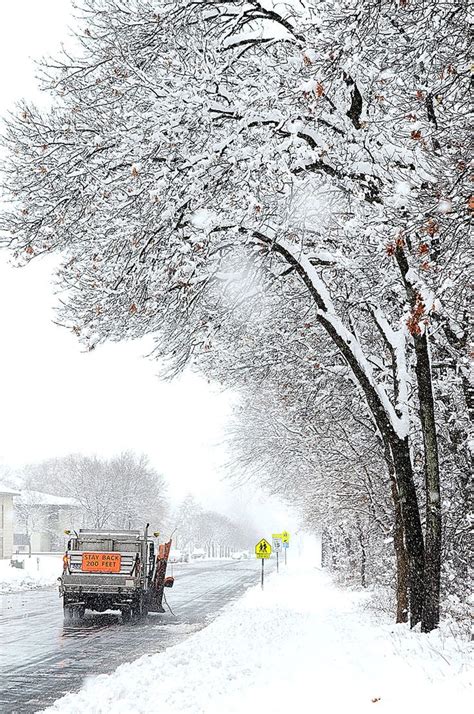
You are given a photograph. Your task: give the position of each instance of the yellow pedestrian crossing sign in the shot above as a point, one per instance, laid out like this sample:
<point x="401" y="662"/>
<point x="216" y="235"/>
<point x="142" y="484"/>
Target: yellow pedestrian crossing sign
<point x="263" y="549"/>
<point x="285" y="537"/>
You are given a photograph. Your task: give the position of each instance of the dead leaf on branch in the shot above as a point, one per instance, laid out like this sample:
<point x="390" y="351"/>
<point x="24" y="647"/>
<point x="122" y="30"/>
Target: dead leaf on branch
<point x="431" y="227"/>
<point x="418" y="315"/>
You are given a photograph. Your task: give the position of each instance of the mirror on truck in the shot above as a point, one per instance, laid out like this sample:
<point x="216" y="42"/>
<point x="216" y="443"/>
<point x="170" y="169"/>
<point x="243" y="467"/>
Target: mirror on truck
<point x="169" y="582"/>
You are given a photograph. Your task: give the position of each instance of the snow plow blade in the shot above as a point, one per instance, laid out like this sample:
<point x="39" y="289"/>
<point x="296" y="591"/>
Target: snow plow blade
<point x="160" y="581"/>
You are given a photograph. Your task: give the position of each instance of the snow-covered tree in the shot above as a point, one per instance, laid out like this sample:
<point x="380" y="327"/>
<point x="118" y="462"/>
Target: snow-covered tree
<point x="317" y="146"/>
<point x="321" y="454"/>
<point x="123" y="492"/>
<point x="141" y="492"/>
<point x="185" y="523"/>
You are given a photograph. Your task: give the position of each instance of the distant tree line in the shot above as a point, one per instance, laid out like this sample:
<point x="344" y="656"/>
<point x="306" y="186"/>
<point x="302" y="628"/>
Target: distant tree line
<point x="218" y="535"/>
<point x="125" y="492"/>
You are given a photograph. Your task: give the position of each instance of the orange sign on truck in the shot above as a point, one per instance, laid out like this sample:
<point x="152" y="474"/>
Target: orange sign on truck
<point x="101" y="562"/>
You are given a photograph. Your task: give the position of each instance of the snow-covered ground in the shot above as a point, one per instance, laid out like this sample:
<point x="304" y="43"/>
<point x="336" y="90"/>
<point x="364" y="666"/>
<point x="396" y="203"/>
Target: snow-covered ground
<point x="301" y="646"/>
<point x="39" y="571"/>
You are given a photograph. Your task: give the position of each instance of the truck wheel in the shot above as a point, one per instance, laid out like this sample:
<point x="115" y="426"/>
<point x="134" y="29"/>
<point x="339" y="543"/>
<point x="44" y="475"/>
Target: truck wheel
<point x="138" y="609"/>
<point x="73" y="614"/>
<point x="126" y="613"/>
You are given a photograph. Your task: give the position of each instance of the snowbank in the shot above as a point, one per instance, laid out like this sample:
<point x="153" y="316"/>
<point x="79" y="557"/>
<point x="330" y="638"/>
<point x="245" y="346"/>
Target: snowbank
<point x="38" y="572"/>
<point x="300" y="646"/>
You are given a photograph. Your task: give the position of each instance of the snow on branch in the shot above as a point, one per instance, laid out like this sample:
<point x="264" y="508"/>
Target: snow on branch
<point x="347" y="341"/>
<point x="395" y="339"/>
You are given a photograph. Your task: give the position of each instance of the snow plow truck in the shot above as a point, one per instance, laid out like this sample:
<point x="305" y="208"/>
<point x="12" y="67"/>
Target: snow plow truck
<point x="116" y="570"/>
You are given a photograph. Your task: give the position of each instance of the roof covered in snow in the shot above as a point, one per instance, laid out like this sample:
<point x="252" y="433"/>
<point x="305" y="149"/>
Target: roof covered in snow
<point x="7" y="490"/>
<point x="38" y="498"/>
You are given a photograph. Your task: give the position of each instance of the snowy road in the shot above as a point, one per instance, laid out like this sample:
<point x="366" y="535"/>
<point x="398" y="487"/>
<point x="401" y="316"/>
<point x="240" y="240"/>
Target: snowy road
<point x="41" y="659"/>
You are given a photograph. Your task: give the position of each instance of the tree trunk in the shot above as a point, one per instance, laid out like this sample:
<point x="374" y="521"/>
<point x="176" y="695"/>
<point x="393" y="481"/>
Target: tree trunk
<point x="413" y="536"/>
<point x="399" y="545"/>
<point x="432" y="570"/>
<point x="401" y="556"/>
<point x="363" y="557"/>
<point x="432" y="576"/>
<point x="324" y="549"/>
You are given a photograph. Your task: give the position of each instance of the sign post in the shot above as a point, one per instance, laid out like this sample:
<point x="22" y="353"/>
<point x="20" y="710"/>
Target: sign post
<point x="263" y="550"/>
<point x="285" y="537"/>
<point x="277" y="546"/>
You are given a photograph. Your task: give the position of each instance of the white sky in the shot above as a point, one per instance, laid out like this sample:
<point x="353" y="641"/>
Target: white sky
<point x="55" y="399"/>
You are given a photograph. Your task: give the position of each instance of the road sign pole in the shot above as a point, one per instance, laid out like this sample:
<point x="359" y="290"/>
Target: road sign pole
<point x="277" y="561"/>
<point x="263" y="550"/>
<point x="285" y="554"/>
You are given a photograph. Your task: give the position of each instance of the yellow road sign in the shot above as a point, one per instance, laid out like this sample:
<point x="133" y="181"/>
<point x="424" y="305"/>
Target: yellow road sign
<point x="277" y="535"/>
<point x="263" y="549"/>
<point x="285" y="536"/>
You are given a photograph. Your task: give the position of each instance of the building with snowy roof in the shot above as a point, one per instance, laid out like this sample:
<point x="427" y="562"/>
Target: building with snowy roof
<point x="6" y="520"/>
<point x="40" y="521"/>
